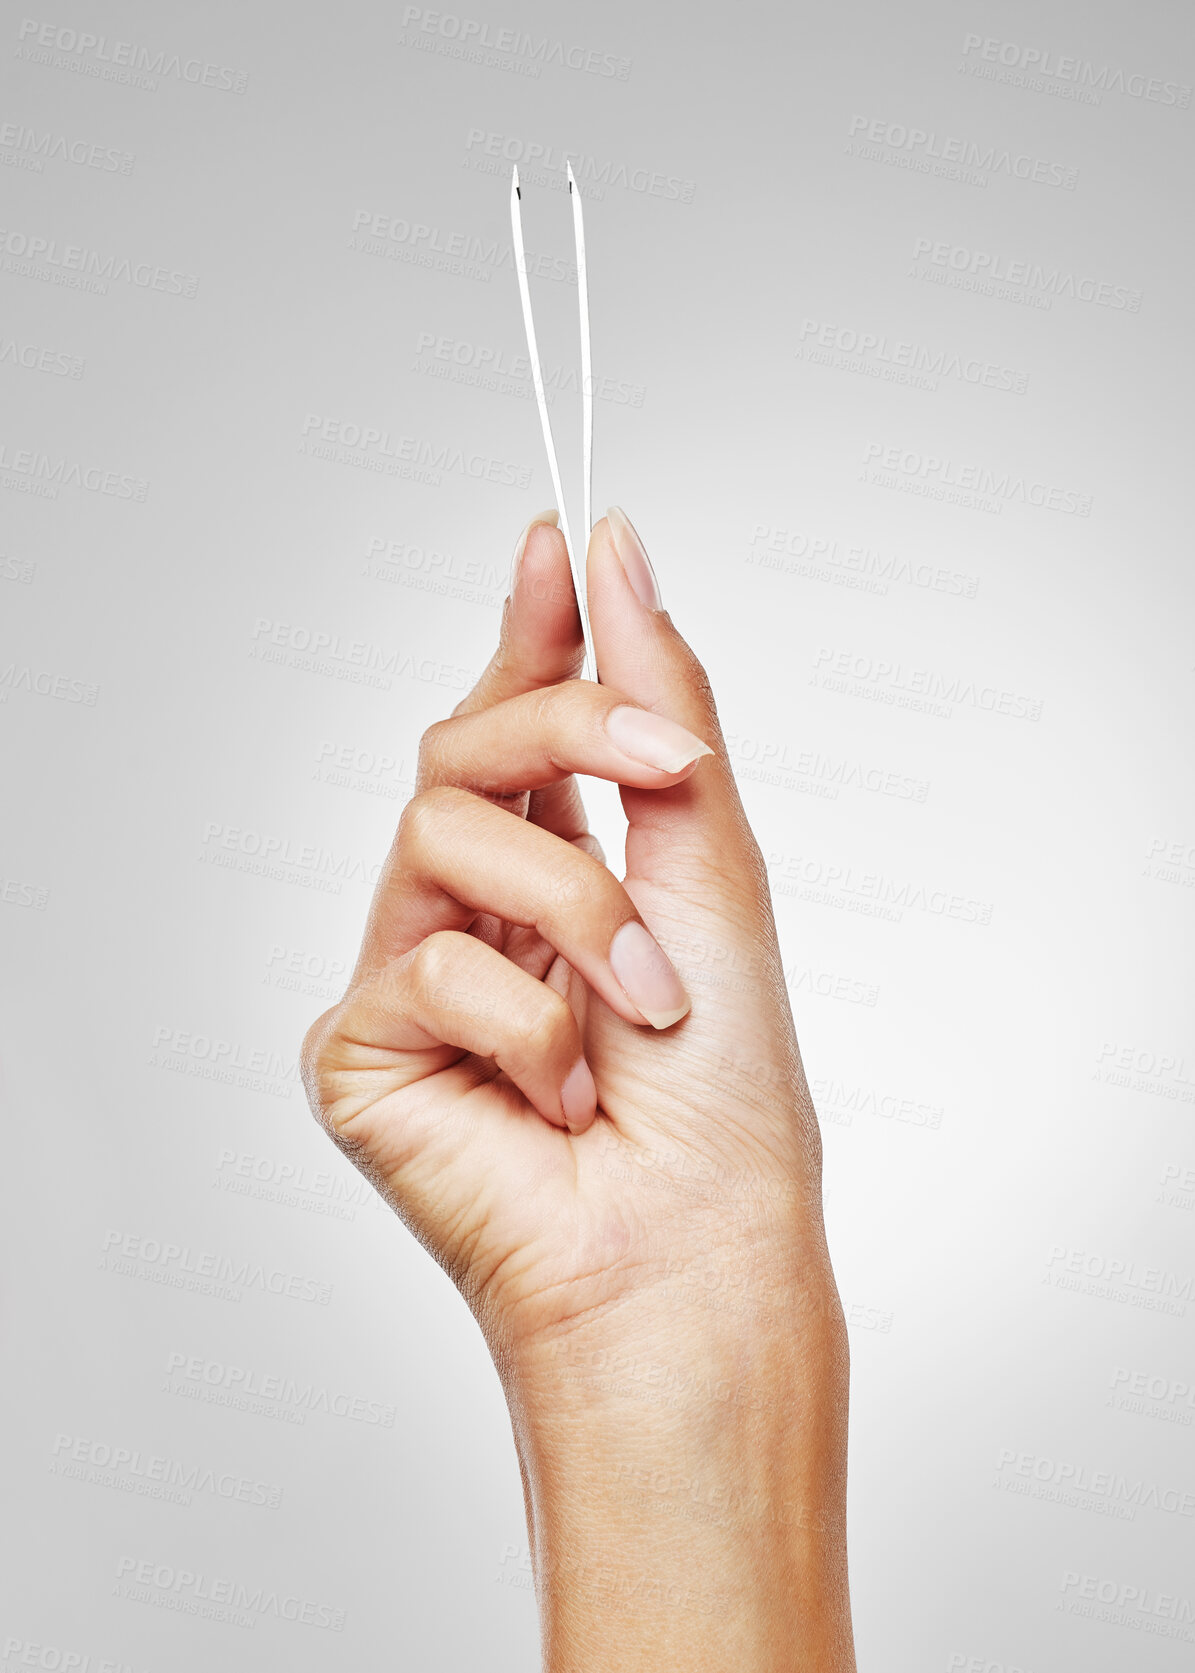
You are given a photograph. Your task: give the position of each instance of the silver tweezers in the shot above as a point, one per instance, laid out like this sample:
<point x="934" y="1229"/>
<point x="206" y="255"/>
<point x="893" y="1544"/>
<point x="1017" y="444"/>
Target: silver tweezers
<point x="576" y="557"/>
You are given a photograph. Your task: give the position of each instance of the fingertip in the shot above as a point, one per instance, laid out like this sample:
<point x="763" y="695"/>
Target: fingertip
<point x="665" y="1019"/>
<point x="541" y="520"/>
<point x="639" y="649"/>
<point x="626" y="611"/>
<point x="539" y="560"/>
<point x="647" y="976"/>
<point x="578" y="1098"/>
<point x="632" y="555"/>
<point x="544" y="622"/>
<point x="655" y="742"/>
<point x="691" y="766"/>
<point x="599" y="555"/>
<point x="622" y="629"/>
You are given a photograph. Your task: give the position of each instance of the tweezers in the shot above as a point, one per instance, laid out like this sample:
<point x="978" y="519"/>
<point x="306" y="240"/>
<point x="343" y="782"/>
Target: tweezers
<point x="576" y="557"/>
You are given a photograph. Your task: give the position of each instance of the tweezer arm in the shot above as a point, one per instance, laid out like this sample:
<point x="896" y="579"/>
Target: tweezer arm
<point x="576" y="558"/>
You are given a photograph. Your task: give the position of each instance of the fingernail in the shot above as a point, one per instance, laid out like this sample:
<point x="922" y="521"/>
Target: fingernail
<point x="646" y="976"/>
<point x="634" y="559"/>
<point x="578" y="1097"/>
<point x="652" y="740"/>
<point x="552" y="517"/>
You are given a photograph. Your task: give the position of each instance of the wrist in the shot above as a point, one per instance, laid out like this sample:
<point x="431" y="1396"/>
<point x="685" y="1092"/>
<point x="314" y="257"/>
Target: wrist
<point x="685" y="1478"/>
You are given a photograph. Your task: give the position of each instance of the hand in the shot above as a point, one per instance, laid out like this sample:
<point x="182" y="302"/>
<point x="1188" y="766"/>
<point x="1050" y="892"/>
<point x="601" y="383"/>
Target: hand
<point x="585" y="1097"/>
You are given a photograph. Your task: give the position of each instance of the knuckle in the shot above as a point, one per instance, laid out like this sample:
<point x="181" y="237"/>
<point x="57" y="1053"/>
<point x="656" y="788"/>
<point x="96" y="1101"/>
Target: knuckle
<point x="314" y="1062"/>
<point x="433" y="749"/>
<point x="699" y="682"/>
<point x="576" y="888"/>
<point x="589" y="844"/>
<point x="424" y="816"/>
<point x="578" y="704"/>
<point x="547" y="1025"/>
<point x="541" y="705"/>
<point x="433" y="961"/>
<point x="553" y="712"/>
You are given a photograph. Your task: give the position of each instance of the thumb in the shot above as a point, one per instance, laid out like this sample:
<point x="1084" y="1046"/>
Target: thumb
<point x="639" y="653"/>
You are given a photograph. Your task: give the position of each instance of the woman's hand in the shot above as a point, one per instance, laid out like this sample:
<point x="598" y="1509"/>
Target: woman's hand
<point x="585" y="1098"/>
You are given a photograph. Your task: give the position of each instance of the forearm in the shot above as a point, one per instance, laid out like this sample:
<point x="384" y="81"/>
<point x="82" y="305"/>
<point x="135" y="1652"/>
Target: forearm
<point x="686" y="1488"/>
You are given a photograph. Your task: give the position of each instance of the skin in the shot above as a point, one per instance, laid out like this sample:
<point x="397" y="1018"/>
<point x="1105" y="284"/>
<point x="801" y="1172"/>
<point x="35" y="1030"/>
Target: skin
<point x="650" y="1274"/>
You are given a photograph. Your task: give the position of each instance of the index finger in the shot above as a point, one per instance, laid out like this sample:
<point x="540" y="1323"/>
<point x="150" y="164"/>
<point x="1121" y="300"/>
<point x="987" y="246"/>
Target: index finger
<point x="539" y="645"/>
<point x="540" y="641"/>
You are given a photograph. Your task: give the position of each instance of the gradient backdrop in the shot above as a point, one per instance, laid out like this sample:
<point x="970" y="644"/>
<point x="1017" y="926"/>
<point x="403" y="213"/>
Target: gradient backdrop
<point x="890" y="315"/>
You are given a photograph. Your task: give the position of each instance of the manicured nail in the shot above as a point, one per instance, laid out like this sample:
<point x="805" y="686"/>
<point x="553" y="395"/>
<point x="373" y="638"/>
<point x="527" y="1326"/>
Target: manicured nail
<point x="552" y="517"/>
<point x="634" y="559"/>
<point x="652" y="740"/>
<point x="646" y="976"/>
<point x="578" y="1097"/>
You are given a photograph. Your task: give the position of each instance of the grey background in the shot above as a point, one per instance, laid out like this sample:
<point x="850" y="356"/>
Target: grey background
<point x="958" y="695"/>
